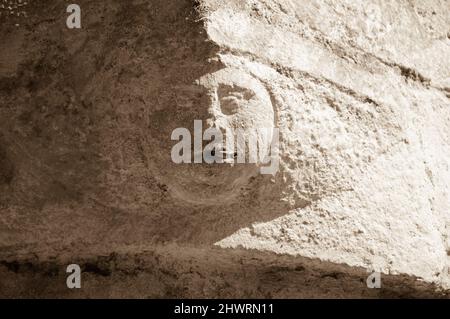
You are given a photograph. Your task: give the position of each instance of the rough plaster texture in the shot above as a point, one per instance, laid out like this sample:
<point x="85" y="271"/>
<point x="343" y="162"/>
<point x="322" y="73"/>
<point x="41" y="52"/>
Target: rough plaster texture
<point x="359" y="90"/>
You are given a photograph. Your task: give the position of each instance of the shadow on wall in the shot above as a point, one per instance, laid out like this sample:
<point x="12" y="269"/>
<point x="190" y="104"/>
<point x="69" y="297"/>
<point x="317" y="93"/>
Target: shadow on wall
<point x="90" y="121"/>
<point x="6" y="167"/>
<point x="185" y="272"/>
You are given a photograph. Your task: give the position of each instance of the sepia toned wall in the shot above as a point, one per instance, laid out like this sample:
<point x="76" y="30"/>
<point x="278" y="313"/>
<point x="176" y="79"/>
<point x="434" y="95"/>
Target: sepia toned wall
<point x="359" y="91"/>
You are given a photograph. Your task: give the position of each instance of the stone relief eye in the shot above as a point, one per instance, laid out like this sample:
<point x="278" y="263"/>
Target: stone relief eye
<point x="233" y="98"/>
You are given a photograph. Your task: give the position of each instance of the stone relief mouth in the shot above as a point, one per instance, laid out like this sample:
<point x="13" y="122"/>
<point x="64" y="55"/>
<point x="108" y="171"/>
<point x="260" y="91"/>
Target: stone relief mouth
<point x="226" y="156"/>
<point x="221" y="149"/>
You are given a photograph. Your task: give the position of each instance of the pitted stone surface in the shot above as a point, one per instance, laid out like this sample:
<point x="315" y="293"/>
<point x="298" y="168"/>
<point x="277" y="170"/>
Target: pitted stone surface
<point x="358" y="89"/>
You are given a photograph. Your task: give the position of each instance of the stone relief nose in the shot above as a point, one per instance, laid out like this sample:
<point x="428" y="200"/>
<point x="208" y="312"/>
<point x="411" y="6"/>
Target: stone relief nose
<point x="216" y="119"/>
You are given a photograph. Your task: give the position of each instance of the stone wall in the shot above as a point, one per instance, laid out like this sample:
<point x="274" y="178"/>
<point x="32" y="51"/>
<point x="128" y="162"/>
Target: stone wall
<point x="359" y="91"/>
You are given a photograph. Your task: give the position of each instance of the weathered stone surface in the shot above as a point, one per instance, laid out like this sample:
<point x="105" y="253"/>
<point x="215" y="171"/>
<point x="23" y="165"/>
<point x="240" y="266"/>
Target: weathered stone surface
<point x="359" y="90"/>
<point x="365" y="131"/>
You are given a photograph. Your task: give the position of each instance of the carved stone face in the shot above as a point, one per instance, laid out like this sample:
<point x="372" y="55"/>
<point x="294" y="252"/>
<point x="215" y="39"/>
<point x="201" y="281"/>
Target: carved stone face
<point x="233" y="101"/>
<point x="237" y="101"/>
